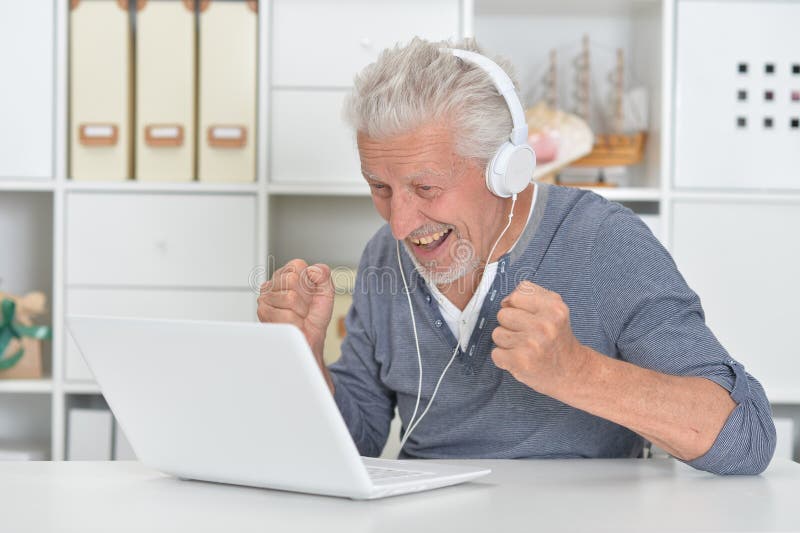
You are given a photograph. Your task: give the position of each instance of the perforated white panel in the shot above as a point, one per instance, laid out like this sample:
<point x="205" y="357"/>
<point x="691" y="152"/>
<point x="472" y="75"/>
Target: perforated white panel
<point x="738" y="95"/>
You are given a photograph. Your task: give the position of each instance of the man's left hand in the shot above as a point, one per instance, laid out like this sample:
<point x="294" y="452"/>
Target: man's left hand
<point x="535" y="342"/>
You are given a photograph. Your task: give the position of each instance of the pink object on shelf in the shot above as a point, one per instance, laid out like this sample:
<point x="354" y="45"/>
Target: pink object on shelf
<point x="545" y="144"/>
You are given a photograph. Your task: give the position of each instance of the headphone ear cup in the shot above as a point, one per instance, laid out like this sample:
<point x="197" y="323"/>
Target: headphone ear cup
<point x="510" y="170"/>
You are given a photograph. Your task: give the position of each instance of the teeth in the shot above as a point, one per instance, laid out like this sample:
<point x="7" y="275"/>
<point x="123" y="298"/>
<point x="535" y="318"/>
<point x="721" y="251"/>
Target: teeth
<point x="427" y="240"/>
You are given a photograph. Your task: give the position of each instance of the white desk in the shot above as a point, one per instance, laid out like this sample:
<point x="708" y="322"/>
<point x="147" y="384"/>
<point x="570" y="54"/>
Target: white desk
<point x="519" y="496"/>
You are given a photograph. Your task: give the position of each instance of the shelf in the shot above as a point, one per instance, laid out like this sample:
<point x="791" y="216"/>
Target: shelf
<point x="81" y="388"/>
<point x="617" y="194"/>
<point x="579" y="8"/>
<point x="627" y="194"/>
<point x="137" y="187"/>
<point x="26" y="185"/>
<point x="319" y="189"/>
<point x="784" y="396"/>
<point x="33" y="386"/>
<point x="737" y="196"/>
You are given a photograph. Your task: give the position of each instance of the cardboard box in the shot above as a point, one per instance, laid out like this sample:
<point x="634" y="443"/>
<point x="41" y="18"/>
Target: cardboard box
<point x="30" y="366"/>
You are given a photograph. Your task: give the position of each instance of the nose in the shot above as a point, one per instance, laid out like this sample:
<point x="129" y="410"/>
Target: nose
<point x="404" y="216"/>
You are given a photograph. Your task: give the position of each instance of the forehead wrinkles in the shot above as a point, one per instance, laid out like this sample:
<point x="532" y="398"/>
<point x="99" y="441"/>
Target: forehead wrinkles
<point x="454" y="170"/>
<point x="403" y="149"/>
<point x="413" y="141"/>
<point x="407" y="162"/>
<point x="423" y="173"/>
<point x="428" y="148"/>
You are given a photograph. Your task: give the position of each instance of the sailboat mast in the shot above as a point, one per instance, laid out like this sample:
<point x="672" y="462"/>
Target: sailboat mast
<point x="619" y="90"/>
<point x="584" y="81"/>
<point x="552" y="81"/>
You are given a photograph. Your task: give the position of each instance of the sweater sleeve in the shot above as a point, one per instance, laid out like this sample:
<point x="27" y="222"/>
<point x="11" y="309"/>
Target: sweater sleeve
<point x="656" y="321"/>
<point x="365" y="403"/>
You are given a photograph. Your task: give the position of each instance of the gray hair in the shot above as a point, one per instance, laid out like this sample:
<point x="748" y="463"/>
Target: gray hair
<point x="416" y="84"/>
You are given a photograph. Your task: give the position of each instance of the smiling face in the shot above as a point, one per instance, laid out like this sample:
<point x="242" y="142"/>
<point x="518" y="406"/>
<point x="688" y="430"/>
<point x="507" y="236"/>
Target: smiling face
<point x="435" y="201"/>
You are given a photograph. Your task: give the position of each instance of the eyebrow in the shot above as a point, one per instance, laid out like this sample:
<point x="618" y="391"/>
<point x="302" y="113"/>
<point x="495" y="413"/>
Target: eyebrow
<point x="369" y="175"/>
<point x="419" y="174"/>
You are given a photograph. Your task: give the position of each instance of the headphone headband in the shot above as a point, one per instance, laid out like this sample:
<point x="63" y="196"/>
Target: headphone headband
<point x="511" y="168"/>
<point x="504" y="85"/>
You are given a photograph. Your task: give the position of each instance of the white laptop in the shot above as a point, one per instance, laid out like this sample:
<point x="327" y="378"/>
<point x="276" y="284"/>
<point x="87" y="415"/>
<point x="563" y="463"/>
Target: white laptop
<point x="240" y="403"/>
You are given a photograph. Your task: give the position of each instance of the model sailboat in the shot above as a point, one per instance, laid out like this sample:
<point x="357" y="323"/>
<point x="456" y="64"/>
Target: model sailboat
<point x="624" y="144"/>
<point x="619" y="125"/>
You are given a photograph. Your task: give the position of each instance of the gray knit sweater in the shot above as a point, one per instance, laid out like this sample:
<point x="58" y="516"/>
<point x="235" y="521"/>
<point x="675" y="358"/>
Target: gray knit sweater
<point x="627" y="300"/>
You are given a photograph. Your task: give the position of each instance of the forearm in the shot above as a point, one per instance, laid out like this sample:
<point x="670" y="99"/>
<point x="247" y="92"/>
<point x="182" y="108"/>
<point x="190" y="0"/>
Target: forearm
<point x="681" y="414"/>
<point x="367" y="418"/>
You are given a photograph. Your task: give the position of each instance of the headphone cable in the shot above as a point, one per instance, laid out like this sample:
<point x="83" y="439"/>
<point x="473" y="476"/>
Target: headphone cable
<point x="412" y="425"/>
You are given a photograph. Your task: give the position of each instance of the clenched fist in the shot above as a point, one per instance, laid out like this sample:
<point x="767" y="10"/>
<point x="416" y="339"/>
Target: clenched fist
<point x="301" y="295"/>
<point x="535" y="342"/>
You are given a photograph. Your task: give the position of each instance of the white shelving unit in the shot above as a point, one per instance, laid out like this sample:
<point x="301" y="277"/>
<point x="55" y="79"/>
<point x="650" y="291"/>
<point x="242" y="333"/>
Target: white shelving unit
<point x="309" y="199"/>
<point x="34" y="412"/>
<point x="322" y="189"/>
<point x="25" y="185"/>
<point x="156" y="187"/>
<point x="81" y="388"/>
<point x="31" y="386"/>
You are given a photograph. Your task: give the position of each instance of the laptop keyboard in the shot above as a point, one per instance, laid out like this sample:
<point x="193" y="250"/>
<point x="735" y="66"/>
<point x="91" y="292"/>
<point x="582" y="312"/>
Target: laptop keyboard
<point x="379" y="473"/>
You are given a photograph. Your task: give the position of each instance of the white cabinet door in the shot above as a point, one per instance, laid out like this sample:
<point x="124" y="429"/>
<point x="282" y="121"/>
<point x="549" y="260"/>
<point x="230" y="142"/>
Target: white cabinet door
<point x="26" y="89"/>
<point x="310" y="141"/>
<point x="737" y="103"/>
<point x="160" y="240"/>
<point x="323" y="44"/>
<point x="742" y="259"/>
<point x="171" y="304"/>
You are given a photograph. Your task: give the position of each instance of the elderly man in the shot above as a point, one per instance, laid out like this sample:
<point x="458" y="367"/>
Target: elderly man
<point x="565" y="331"/>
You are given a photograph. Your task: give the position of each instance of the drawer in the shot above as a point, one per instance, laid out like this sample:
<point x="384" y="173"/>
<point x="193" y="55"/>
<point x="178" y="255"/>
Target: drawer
<point x="306" y="121"/>
<point x="158" y="240"/>
<point x="323" y="44"/>
<point x="169" y="303"/>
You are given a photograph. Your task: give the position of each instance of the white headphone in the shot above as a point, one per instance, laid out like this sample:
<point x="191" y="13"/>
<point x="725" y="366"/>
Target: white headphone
<point x="507" y="174"/>
<point x="511" y="168"/>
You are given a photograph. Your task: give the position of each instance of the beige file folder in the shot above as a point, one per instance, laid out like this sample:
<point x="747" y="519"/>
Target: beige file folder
<point x="100" y="90"/>
<point x="227" y="91"/>
<point x="165" y="88"/>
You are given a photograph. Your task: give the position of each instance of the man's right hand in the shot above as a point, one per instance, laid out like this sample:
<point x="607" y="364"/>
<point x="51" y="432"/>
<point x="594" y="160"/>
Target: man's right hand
<point x="301" y="295"/>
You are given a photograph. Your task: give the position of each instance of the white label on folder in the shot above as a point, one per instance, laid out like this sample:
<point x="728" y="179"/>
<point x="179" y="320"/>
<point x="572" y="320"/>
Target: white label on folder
<point x="98" y="132"/>
<point x="165" y="132"/>
<point x="227" y="133"/>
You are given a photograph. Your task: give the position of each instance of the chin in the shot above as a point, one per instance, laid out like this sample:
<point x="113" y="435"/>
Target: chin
<point x="455" y="272"/>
